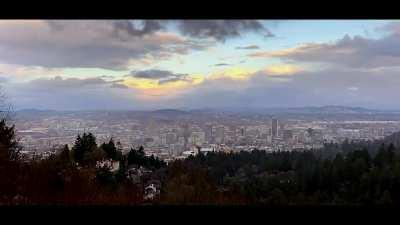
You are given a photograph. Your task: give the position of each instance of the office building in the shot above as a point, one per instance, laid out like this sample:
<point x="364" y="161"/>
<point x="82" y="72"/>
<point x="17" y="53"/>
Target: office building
<point x="275" y="128"/>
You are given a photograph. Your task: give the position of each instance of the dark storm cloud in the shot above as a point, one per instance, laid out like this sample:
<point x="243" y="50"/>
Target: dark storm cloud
<point x="155" y="74"/>
<point x="249" y="47"/>
<point x="221" y="29"/>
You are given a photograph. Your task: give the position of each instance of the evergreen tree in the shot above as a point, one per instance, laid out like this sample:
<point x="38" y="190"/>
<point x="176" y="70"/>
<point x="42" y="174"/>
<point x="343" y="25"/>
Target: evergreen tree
<point x="84" y="145"/>
<point x="110" y="149"/>
<point x="105" y="176"/>
<point x="139" y="158"/>
<point x="9" y="148"/>
<point x="385" y="156"/>
<point x="65" y="155"/>
<point x="141" y="151"/>
<point x="120" y="175"/>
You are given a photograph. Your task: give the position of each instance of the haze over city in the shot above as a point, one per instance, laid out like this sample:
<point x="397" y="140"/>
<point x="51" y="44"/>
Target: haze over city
<point x="188" y="64"/>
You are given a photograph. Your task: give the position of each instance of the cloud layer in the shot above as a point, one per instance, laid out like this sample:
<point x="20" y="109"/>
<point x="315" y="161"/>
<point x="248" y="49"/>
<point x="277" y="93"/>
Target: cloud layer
<point x="89" y="44"/>
<point x="112" y="44"/>
<point x="248" y="47"/>
<point x="352" y="70"/>
<point x="155" y="74"/>
<point x="221" y="29"/>
<point x="349" y="51"/>
<point x="228" y="88"/>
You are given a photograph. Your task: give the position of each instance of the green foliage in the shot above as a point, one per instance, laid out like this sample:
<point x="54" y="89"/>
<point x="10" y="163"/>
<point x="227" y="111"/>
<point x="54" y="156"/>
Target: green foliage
<point x="83" y="148"/>
<point x="385" y="156"/>
<point x="358" y="173"/>
<point x="65" y="155"/>
<point x="9" y="148"/>
<point x="350" y="173"/>
<point x="121" y="173"/>
<point x="105" y="177"/>
<point x="111" y="150"/>
<point x="139" y="158"/>
<point x="186" y="185"/>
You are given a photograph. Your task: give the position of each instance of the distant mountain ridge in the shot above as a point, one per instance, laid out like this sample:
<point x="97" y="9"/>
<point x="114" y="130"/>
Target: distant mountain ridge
<point x="333" y="109"/>
<point x="328" y="109"/>
<point x="169" y="111"/>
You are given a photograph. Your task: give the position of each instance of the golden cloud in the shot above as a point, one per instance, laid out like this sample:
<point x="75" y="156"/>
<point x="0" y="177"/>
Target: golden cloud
<point x="234" y="73"/>
<point x="267" y="54"/>
<point x="154" y="89"/>
<point x="150" y="88"/>
<point x="283" y="69"/>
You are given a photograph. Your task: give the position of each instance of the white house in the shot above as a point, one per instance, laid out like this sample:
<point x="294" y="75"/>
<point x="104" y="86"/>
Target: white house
<point x="150" y="192"/>
<point x="112" y="165"/>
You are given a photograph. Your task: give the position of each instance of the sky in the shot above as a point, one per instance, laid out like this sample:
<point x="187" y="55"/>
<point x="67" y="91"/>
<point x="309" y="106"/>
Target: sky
<point x="154" y="64"/>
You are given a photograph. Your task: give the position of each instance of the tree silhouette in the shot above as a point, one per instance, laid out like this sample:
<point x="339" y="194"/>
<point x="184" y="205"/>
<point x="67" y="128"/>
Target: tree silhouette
<point x="110" y="149"/>
<point x="9" y="148"/>
<point x="84" y="145"/>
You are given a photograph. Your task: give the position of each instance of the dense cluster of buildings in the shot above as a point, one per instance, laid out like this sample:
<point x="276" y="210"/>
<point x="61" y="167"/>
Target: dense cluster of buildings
<point x="171" y="139"/>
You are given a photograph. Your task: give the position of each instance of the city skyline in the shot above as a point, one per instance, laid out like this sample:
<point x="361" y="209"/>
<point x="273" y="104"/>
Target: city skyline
<point x="154" y="64"/>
